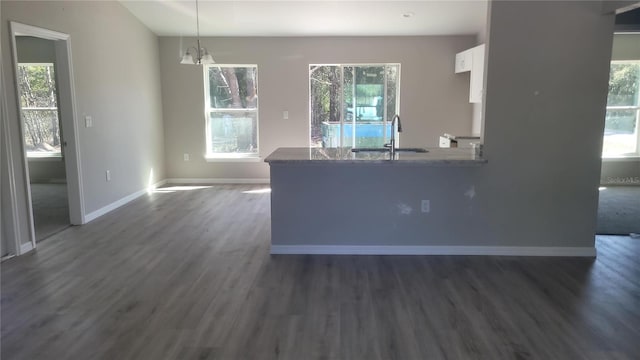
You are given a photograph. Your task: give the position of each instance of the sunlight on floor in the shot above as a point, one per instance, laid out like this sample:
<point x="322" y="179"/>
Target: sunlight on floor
<point x="602" y="188"/>
<point x="258" y="191"/>
<point x="171" y="189"/>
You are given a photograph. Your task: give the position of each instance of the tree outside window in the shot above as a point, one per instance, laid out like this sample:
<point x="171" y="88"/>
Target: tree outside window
<point x="621" y="136"/>
<point x="352" y="105"/>
<point x="39" y="105"/>
<point x="232" y="110"/>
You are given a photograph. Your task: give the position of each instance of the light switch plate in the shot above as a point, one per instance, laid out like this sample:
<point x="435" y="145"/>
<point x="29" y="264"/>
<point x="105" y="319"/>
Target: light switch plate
<point x="88" y="121"/>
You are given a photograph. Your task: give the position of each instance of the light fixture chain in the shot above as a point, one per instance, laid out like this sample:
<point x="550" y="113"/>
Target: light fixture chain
<point x="198" y="31"/>
<point x="198" y="20"/>
<point x="202" y="55"/>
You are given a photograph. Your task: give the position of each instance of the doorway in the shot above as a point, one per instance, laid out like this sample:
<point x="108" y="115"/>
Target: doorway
<point x="43" y="137"/>
<point x="619" y="195"/>
<point x="48" y="127"/>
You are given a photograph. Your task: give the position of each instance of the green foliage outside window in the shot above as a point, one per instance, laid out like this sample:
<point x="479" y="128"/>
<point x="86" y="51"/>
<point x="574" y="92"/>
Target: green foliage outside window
<point x="623" y="109"/>
<point x="38" y="102"/>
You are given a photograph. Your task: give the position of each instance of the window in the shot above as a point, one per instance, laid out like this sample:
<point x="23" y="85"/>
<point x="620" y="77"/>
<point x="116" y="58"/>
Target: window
<point x="352" y="105"/>
<point x="621" y="138"/>
<point x="231" y="101"/>
<point x="39" y="105"/>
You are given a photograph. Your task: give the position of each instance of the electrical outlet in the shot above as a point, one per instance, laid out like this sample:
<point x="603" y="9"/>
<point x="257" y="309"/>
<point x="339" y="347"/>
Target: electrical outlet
<point x="186" y="157"/>
<point x="285" y="114"/>
<point x="108" y="175"/>
<point x="425" y="206"/>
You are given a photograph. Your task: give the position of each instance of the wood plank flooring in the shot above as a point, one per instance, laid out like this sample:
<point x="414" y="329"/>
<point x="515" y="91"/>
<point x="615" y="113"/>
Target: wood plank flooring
<point x="188" y="275"/>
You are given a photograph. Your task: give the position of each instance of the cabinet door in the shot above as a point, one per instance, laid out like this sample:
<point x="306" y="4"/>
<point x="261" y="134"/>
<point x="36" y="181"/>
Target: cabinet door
<point x="464" y="61"/>
<point x="477" y="75"/>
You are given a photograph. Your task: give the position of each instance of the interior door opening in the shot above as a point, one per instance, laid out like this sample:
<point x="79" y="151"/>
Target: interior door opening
<point x="47" y="128"/>
<point x="619" y="193"/>
<point x="42" y="136"/>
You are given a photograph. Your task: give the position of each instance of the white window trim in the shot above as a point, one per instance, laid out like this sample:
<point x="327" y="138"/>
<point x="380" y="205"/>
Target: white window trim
<point x="228" y="157"/>
<point x="44" y="156"/>
<point x="636" y="154"/>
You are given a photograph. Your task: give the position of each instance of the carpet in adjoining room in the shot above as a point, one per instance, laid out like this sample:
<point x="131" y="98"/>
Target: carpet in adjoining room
<point x="619" y="210"/>
<point x="50" y="209"/>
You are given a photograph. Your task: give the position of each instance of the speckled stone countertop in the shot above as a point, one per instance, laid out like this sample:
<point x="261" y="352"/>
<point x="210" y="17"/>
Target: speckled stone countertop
<point x="461" y="137"/>
<point x="433" y="157"/>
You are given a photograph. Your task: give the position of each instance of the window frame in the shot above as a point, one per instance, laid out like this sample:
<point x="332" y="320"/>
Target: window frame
<point x="636" y="153"/>
<point x="41" y="155"/>
<point x="208" y="110"/>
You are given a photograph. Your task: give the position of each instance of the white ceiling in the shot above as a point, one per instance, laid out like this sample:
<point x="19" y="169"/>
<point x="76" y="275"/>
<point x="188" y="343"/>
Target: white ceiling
<point x="311" y="18"/>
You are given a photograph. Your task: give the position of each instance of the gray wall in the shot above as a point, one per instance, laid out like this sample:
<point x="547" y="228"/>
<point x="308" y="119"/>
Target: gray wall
<point x="123" y="96"/>
<point x="544" y="120"/>
<point x="35" y="50"/>
<point x="434" y="100"/>
<point x="380" y="204"/>
<point x="46" y="170"/>
<point x="623" y="171"/>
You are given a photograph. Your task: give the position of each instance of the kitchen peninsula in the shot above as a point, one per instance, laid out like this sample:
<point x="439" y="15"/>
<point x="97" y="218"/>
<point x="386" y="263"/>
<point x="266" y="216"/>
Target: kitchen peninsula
<point x="335" y="201"/>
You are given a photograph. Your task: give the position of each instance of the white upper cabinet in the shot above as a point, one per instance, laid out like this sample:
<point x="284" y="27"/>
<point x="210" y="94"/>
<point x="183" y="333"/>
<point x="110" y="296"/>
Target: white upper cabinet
<point x="473" y="60"/>
<point x="477" y="75"/>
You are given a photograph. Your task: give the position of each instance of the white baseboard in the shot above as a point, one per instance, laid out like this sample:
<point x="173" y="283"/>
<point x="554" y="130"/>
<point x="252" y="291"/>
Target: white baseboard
<point x="434" y="250"/>
<point x="118" y="203"/>
<point x="123" y="201"/>
<point x="218" y="181"/>
<point x="26" y="247"/>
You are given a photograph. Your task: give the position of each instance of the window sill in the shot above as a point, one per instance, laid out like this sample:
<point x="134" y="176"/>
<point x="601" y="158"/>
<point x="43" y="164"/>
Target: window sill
<point x="44" y="157"/>
<point x="621" y="158"/>
<point x="233" y="158"/>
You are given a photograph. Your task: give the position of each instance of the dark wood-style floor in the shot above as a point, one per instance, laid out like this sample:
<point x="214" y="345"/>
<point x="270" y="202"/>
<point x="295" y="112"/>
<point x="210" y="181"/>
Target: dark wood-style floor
<point x="188" y="275"/>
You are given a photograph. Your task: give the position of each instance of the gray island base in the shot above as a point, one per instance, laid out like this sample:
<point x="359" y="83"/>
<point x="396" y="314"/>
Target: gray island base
<point x="334" y="201"/>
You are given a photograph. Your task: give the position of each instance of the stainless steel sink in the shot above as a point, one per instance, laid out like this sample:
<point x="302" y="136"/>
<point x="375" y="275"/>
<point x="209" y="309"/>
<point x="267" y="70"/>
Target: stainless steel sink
<point x="415" y="150"/>
<point x="370" y="150"/>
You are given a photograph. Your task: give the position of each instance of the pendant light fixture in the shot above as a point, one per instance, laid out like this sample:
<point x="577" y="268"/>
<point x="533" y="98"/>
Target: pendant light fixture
<point x="201" y="54"/>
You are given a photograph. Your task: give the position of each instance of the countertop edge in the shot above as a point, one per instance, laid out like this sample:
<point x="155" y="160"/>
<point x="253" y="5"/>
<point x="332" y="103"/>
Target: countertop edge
<point x="434" y="162"/>
<point x="344" y="156"/>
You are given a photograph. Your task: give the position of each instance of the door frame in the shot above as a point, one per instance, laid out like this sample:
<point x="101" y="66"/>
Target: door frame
<point x="68" y="124"/>
<point x="8" y="220"/>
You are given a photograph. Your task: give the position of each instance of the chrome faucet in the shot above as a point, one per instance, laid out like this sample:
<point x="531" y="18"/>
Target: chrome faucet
<point x="392" y="143"/>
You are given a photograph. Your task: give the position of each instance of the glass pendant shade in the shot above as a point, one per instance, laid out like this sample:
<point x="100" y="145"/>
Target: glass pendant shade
<point x="187" y="59"/>
<point x="207" y="58"/>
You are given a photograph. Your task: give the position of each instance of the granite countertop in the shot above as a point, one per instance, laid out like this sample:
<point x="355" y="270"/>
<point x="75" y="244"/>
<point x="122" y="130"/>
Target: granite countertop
<point x="461" y="137"/>
<point x="434" y="156"/>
